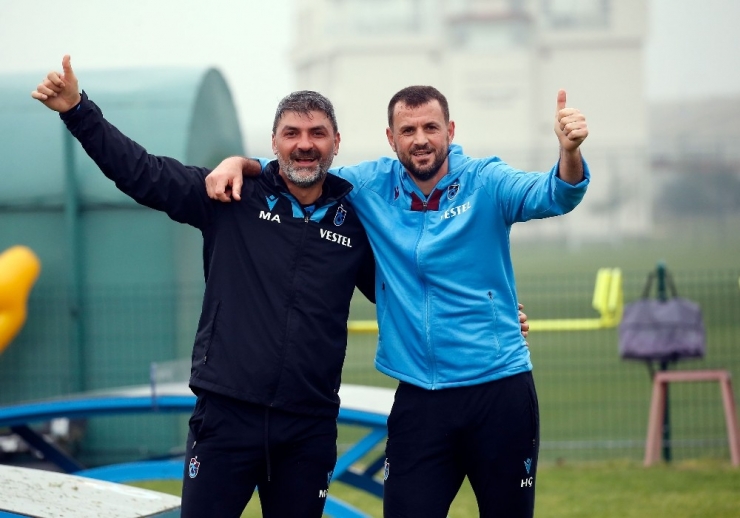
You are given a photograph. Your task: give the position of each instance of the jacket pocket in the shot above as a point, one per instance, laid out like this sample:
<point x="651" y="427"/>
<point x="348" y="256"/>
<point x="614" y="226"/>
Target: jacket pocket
<point x="198" y="419"/>
<point x="206" y="332"/>
<point x="535" y="411"/>
<point x="494" y="330"/>
<point x="381" y="306"/>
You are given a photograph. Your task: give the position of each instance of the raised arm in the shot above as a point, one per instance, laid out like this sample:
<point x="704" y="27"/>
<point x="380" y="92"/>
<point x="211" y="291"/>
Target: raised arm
<point x="225" y="181"/>
<point x="571" y="130"/>
<point x="158" y="182"/>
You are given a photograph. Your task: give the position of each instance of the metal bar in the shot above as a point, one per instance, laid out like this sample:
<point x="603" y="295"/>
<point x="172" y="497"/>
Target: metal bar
<point x="72" y="219"/>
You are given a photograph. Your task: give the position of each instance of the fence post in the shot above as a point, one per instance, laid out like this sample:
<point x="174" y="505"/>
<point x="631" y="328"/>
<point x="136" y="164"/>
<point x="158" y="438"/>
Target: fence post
<point x="663" y="296"/>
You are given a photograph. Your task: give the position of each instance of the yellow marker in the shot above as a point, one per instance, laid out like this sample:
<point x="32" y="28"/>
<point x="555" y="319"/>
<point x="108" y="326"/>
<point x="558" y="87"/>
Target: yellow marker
<point x="608" y="300"/>
<point x="19" y="269"/>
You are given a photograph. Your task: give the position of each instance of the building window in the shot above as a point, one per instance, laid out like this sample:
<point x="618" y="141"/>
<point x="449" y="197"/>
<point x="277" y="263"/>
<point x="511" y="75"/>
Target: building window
<point x="370" y="17"/>
<point x="491" y="35"/>
<point x="570" y="14"/>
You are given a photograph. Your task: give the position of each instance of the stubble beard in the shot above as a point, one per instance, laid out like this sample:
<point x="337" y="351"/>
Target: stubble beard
<point x="305" y="176"/>
<point x="427" y="172"/>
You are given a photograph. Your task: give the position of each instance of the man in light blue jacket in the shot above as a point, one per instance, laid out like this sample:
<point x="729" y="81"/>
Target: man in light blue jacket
<point x="439" y="224"/>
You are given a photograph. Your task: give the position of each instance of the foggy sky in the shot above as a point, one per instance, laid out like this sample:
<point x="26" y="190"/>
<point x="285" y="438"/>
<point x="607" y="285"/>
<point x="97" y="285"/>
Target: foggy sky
<point x="692" y="47"/>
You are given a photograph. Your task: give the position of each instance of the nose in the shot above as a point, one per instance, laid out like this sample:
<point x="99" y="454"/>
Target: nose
<point x="420" y="137"/>
<point x="305" y="143"/>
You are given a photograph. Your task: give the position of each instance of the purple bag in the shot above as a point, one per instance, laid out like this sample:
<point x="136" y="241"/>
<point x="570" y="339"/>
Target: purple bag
<point x="666" y="330"/>
<point x="662" y="330"/>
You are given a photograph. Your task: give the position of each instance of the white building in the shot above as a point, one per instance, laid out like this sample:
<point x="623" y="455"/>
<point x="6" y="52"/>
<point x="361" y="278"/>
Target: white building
<point x="500" y="64"/>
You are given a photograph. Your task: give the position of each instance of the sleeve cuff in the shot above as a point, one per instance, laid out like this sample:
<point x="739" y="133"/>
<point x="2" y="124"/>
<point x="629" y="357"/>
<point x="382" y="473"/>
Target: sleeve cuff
<point x="69" y="114"/>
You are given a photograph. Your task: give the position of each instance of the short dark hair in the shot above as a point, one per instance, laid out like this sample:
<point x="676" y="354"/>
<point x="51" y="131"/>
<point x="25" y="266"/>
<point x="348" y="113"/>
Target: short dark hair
<point x="415" y="96"/>
<point x="304" y="102"/>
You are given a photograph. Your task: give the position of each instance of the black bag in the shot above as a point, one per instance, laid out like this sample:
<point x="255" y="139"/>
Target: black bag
<point x="662" y="330"/>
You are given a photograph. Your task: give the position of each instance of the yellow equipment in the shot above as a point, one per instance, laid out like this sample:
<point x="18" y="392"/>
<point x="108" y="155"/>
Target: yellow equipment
<point x="608" y="300"/>
<point x="19" y="269"/>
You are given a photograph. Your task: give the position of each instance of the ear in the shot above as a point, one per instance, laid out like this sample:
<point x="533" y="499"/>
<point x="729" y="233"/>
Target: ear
<point x="274" y="145"/>
<point x="337" y="139"/>
<point x="389" y="136"/>
<point x="451" y="131"/>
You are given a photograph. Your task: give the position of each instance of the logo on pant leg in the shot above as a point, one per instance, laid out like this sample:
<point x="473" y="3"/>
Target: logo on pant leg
<point x="529" y="481"/>
<point x="193" y="467"/>
<point x="323" y="493"/>
<point x="386" y="469"/>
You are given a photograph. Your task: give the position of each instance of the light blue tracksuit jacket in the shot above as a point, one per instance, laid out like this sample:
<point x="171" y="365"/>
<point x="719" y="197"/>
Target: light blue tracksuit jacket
<point x="446" y="296"/>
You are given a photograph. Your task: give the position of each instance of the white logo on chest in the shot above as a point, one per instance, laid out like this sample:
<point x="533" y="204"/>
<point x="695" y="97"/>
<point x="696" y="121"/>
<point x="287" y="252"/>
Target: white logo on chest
<point x="336" y="238"/>
<point x="455" y="211"/>
<point x="269" y="216"/>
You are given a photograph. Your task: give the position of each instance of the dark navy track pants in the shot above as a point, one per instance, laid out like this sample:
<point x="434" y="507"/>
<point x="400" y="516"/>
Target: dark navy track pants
<point x="234" y="447"/>
<point x="487" y="432"/>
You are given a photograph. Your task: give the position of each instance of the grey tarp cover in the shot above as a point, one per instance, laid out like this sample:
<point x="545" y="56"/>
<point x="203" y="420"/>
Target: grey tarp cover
<point x="662" y="330"/>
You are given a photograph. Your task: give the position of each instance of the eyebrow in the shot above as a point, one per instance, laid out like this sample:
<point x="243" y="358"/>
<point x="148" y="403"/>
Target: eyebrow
<point x="312" y="128"/>
<point x="425" y="125"/>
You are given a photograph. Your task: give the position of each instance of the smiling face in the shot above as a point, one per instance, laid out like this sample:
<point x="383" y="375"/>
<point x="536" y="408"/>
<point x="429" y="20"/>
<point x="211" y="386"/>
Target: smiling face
<point x="305" y="145"/>
<point x="421" y="136"/>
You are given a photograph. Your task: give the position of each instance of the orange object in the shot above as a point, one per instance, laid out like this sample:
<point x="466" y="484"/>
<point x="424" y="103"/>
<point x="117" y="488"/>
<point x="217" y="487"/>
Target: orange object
<point x="19" y="269"/>
<point x="657" y="409"/>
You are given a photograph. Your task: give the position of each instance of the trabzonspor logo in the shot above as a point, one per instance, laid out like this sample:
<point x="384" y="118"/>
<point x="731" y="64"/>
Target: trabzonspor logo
<point x="340" y="216"/>
<point x="452" y="191"/>
<point x="193" y="467"/>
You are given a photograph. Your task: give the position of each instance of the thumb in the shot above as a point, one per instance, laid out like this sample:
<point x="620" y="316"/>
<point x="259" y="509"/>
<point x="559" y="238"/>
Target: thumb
<point x="561" y="100"/>
<point x="69" y="74"/>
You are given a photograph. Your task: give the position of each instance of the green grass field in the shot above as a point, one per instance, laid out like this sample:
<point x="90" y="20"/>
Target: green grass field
<point x="613" y="489"/>
<point x="593" y="404"/>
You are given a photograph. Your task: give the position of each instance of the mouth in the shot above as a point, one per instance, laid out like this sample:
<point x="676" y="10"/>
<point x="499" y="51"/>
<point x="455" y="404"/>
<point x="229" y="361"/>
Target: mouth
<point x="305" y="161"/>
<point x="422" y="154"/>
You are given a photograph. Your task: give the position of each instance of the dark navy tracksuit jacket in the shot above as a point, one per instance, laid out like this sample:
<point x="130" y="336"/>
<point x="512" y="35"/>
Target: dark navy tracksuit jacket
<point x="279" y="278"/>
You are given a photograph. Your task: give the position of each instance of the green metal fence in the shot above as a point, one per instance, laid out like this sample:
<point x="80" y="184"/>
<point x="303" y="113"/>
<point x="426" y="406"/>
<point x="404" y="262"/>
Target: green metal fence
<point x="594" y="405"/>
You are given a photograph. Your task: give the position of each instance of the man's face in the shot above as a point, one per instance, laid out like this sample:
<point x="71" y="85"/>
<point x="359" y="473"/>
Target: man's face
<point x="305" y="145"/>
<point x="421" y="137"/>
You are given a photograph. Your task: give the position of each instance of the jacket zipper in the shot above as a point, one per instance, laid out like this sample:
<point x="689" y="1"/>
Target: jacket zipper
<point x="306" y="219"/>
<point x="427" y="345"/>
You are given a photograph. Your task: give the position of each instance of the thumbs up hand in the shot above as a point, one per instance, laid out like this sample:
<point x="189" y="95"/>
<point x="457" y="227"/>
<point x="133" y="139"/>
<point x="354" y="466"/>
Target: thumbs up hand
<point x="59" y="92"/>
<point x="570" y="125"/>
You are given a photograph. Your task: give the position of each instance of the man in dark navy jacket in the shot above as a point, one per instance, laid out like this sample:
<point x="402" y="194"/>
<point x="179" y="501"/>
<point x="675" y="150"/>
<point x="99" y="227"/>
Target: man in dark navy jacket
<point x="271" y="341"/>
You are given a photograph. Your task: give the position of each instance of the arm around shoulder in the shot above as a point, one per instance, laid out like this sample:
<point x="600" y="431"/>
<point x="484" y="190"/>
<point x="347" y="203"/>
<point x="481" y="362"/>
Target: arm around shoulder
<point x="225" y="182"/>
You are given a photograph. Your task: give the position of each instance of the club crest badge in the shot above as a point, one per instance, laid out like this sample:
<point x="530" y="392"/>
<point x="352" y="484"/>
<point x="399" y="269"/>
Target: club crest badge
<point x="452" y="191"/>
<point x="528" y="465"/>
<point x="193" y="467"/>
<point x="340" y="216"/>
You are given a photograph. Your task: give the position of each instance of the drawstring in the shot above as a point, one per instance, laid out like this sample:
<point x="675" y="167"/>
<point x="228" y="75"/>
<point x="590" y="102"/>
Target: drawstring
<point x="267" y="446"/>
